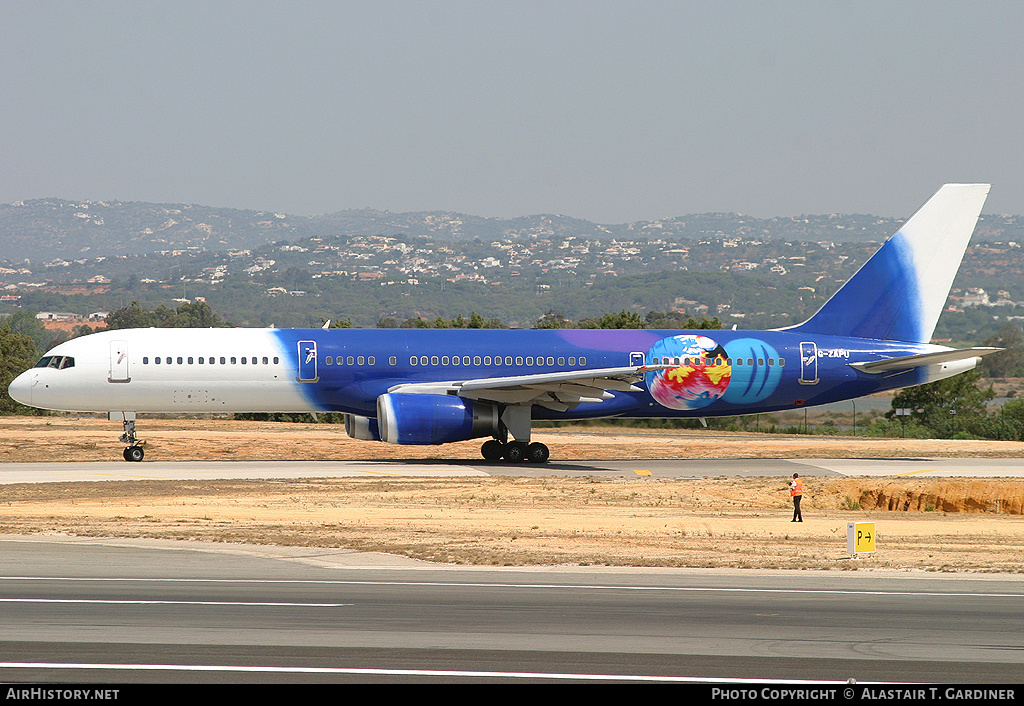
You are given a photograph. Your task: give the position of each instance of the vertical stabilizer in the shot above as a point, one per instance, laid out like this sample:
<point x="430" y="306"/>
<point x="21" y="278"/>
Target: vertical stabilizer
<point x="899" y="293"/>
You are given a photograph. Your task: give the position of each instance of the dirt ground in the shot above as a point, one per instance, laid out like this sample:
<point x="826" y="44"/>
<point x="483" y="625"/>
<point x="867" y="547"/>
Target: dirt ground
<point x="924" y="524"/>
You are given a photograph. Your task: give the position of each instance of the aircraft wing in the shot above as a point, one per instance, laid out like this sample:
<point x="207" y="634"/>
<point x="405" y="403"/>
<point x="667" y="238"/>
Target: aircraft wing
<point x="912" y="361"/>
<point x="558" y="391"/>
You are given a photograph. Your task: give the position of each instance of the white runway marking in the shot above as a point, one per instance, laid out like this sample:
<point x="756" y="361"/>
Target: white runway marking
<point x="247" y="604"/>
<point x="403" y="672"/>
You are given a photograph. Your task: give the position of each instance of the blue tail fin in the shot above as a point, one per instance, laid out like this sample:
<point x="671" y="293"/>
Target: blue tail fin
<point x="899" y="293"/>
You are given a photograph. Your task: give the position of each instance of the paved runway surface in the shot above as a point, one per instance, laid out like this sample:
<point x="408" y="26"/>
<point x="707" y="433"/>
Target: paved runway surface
<point x="136" y="611"/>
<point x="120" y="611"/>
<point x="667" y="468"/>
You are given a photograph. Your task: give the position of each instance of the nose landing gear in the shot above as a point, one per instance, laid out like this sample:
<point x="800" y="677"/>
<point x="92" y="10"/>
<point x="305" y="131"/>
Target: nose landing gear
<point x="134" y="451"/>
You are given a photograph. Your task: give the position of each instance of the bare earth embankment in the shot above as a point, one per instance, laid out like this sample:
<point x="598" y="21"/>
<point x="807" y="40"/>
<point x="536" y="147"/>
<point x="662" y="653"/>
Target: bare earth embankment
<point x="923" y="523"/>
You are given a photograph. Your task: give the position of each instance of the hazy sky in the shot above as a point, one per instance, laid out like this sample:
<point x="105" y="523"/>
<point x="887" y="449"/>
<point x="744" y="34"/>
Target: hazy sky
<point x="610" y="111"/>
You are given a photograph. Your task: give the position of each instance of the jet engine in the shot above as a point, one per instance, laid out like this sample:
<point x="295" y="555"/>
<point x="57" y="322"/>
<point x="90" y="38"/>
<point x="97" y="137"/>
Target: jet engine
<point x="405" y="418"/>
<point x="363" y="428"/>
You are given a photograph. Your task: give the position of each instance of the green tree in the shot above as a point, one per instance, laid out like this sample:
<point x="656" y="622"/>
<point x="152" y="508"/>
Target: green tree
<point x="624" y="319"/>
<point x="675" y="320"/>
<point x="17" y="354"/>
<point x="132" y="316"/>
<point x="1009" y="362"/>
<point x="554" y="319"/>
<point x="188" y="315"/>
<point x="25" y="323"/>
<point x="195" y="315"/>
<point x="945" y="406"/>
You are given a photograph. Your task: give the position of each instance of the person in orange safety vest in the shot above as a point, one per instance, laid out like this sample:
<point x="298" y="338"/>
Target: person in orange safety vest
<point x="796" y="489"/>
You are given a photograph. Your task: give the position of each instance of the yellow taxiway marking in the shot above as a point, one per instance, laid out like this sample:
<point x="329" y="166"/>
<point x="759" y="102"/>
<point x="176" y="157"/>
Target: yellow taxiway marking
<point x="911" y="473"/>
<point x="641" y="471"/>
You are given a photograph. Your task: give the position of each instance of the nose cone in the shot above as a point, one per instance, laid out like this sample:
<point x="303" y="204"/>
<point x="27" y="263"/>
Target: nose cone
<point x="20" y="389"/>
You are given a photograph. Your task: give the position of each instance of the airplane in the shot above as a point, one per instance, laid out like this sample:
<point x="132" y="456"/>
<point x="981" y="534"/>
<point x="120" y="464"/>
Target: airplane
<point x="435" y="386"/>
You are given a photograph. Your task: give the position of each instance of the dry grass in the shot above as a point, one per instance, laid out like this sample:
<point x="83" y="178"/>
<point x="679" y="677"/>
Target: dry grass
<point x="922" y="524"/>
<point x="719" y="522"/>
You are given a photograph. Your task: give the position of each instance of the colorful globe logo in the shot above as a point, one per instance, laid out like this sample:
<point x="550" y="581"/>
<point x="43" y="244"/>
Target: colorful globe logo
<point x="700" y="374"/>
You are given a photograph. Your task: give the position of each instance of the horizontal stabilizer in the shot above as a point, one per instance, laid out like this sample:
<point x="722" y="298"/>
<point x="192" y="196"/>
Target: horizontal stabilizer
<point x="912" y="361"/>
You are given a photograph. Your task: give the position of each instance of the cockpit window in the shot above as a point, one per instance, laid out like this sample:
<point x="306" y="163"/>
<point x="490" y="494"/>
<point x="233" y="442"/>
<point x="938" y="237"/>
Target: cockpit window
<point x="56" y="361"/>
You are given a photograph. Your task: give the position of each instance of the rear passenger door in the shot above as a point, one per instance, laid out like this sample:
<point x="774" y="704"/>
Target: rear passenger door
<point x="307" y="362"/>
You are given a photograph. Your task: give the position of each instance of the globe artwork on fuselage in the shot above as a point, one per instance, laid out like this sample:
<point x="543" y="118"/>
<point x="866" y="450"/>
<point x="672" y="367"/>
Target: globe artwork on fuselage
<point x="699" y="375"/>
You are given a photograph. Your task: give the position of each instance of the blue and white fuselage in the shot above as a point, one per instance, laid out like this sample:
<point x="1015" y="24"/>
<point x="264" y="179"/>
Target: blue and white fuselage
<point x="346" y="370"/>
<point x="429" y="386"/>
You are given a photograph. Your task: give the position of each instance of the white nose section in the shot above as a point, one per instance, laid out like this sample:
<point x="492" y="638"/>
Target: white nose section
<point x="20" y="388"/>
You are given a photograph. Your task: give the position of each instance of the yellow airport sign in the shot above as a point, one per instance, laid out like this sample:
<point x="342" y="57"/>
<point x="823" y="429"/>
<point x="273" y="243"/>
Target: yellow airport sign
<point x="860" y="537"/>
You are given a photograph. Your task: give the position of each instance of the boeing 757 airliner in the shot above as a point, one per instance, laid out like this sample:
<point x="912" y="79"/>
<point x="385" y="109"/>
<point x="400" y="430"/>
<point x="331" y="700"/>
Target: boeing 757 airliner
<point x="430" y="386"/>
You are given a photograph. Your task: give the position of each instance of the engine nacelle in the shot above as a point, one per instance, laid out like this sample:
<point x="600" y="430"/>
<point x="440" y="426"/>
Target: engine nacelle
<point x="405" y="418"/>
<point x="362" y="427"/>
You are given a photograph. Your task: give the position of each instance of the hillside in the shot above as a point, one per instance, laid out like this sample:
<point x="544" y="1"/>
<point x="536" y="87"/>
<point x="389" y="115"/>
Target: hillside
<point x="42" y="229"/>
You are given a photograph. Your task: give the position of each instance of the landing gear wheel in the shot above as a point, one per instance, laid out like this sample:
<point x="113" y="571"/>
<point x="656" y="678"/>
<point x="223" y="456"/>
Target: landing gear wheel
<point x="134" y="451"/>
<point x="492" y="450"/>
<point x="515" y="452"/>
<point x="537" y="453"/>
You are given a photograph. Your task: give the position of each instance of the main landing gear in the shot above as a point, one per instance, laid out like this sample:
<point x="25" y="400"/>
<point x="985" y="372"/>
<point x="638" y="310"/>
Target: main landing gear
<point x="134" y="450"/>
<point x="515" y="451"/>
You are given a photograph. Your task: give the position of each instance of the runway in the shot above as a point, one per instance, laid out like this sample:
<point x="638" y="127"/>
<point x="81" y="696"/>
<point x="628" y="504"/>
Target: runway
<point x="666" y="468"/>
<point x="121" y="612"/>
<point x="135" y="611"/>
